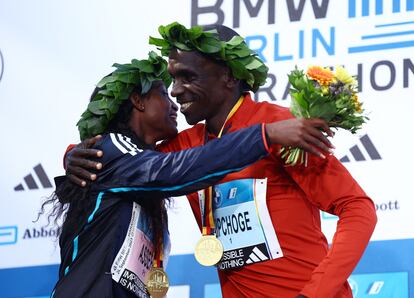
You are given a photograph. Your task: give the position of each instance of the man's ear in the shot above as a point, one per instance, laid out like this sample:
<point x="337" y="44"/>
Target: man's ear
<point x="137" y="101"/>
<point x="229" y="79"/>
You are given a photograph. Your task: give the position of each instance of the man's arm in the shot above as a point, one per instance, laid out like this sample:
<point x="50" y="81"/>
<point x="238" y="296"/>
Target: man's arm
<point x="330" y="186"/>
<point x="79" y="160"/>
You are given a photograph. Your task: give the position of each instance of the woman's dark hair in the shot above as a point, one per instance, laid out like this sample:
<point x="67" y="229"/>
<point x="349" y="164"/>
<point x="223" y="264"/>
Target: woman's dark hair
<point x="72" y="203"/>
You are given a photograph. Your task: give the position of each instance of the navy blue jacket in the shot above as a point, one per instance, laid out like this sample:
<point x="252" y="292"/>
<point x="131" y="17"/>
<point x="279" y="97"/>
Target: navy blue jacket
<point x="132" y="173"/>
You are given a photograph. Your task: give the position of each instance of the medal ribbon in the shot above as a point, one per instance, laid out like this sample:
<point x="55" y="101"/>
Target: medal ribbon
<point x="160" y="255"/>
<point x="157" y="281"/>
<point x="207" y="219"/>
<point x="158" y="260"/>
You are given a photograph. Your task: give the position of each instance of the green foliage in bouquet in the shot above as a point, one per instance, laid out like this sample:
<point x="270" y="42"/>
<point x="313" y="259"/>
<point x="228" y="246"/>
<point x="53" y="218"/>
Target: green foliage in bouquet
<point x="320" y="93"/>
<point x="243" y="62"/>
<point x="117" y="87"/>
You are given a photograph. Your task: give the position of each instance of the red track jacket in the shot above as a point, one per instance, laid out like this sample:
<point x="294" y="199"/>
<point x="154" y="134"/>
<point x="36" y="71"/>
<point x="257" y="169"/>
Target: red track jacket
<point x="295" y="196"/>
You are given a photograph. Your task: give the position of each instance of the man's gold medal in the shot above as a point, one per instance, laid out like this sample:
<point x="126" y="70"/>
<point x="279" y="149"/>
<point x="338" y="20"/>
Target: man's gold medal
<point x="157" y="283"/>
<point x="208" y="250"/>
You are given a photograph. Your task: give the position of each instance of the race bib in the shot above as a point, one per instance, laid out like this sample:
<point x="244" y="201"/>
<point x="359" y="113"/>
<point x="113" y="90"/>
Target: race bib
<point x="243" y="223"/>
<point x="136" y="256"/>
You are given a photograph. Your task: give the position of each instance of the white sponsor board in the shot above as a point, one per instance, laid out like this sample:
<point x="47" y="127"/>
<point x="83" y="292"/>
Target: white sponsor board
<point x="52" y="53"/>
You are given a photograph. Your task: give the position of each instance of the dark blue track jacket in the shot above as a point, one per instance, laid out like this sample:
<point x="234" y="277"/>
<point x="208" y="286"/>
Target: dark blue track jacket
<point x="131" y="173"/>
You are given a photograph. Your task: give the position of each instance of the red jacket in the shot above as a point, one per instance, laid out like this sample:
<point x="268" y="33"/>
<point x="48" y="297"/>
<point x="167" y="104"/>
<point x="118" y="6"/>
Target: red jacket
<point x="295" y="196"/>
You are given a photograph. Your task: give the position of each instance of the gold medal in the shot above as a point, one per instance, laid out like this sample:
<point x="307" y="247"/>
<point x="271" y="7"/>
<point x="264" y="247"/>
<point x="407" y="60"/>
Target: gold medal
<point x="157" y="282"/>
<point x="208" y="250"/>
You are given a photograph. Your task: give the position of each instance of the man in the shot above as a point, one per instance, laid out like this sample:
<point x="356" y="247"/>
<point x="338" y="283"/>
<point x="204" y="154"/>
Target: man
<point x="211" y="78"/>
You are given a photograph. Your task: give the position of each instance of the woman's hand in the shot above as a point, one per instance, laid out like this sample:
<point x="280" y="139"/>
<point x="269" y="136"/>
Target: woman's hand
<point x="308" y="134"/>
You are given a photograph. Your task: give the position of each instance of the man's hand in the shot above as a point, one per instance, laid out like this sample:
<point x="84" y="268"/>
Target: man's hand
<point x="301" y="133"/>
<point x="78" y="162"/>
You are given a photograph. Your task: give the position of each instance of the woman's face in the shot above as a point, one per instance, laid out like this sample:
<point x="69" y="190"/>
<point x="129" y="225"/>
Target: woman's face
<point x="160" y="112"/>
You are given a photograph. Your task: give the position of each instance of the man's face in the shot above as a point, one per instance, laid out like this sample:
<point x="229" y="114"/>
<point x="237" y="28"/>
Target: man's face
<point x="197" y="84"/>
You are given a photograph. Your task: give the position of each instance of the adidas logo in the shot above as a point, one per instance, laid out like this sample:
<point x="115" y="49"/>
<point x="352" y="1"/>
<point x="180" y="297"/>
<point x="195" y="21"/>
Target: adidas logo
<point x="357" y="153"/>
<point x="256" y="256"/>
<point x="124" y="144"/>
<point x="30" y="182"/>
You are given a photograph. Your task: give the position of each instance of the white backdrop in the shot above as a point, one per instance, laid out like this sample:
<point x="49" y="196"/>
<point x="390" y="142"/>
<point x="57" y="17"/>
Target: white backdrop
<point x="53" y="52"/>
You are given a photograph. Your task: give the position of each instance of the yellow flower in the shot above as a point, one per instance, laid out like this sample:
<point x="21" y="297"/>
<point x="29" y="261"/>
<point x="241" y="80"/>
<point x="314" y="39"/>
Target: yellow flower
<point x="322" y="75"/>
<point x="357" y="103"/>
<point x="325" y="90"/>
<point x="342" y="75"/>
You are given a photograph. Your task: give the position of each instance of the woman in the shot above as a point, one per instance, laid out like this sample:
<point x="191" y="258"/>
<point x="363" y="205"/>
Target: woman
<point x="117" y="225"/>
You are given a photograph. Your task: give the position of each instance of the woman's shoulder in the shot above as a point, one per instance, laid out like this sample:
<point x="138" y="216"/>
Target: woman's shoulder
<point x="118" y="144"/>
<point x="187" y="138"/>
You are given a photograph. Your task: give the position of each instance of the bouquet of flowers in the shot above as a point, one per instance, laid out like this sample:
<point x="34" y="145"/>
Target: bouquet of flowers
<point x="321" y="93"/>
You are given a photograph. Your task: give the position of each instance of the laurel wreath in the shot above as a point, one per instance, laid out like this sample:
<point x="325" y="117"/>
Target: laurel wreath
<point x="117" y="87"/>
<point x="243" y="62"/>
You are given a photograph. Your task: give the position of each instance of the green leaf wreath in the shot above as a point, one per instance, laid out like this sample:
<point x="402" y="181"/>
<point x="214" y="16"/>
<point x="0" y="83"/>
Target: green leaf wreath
<point x="117" y="87"/>
<point x="243" y="62"/>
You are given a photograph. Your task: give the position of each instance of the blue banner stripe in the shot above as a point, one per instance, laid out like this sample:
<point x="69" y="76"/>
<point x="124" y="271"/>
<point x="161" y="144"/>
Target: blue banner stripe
<point x="394" y="24"/>
<point x="37" y="281"/>
<point x="387" y="34"/>
<point x="396" y="5"/>
<point x="379" y="257"/>
<point x="379" y="47"/>
<point x="351" y="8"/>
<point x="365" y="8"/>
<point x="410" y="5"/>
<point x="389" y="256"/>
<point x="379" y="7"/>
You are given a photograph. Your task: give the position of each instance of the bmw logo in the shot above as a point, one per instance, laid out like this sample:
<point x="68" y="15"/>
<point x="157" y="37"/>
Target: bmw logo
<point x="218" y="198"/>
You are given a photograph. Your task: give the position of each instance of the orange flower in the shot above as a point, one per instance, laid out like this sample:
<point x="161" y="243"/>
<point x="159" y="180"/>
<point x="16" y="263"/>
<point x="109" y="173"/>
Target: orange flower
<point x="322" y="75"/>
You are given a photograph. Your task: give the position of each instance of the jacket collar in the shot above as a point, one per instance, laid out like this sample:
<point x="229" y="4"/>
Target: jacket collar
<point x="239" y="119"/>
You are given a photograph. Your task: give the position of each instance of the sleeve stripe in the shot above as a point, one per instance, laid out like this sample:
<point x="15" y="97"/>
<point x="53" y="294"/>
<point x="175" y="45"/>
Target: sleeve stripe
<point x="132" y="143"/>
<point x="124" y="144"/>
<point x="176" y="187"/>
<point x="76" y="239"/>
<point x="117" y="144"/>
<point x="127" y="143"/>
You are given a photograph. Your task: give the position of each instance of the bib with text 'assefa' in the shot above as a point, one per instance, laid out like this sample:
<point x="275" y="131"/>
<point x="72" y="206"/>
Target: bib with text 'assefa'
<point x="243" y="223"/>
<point x="135" y="259"/>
